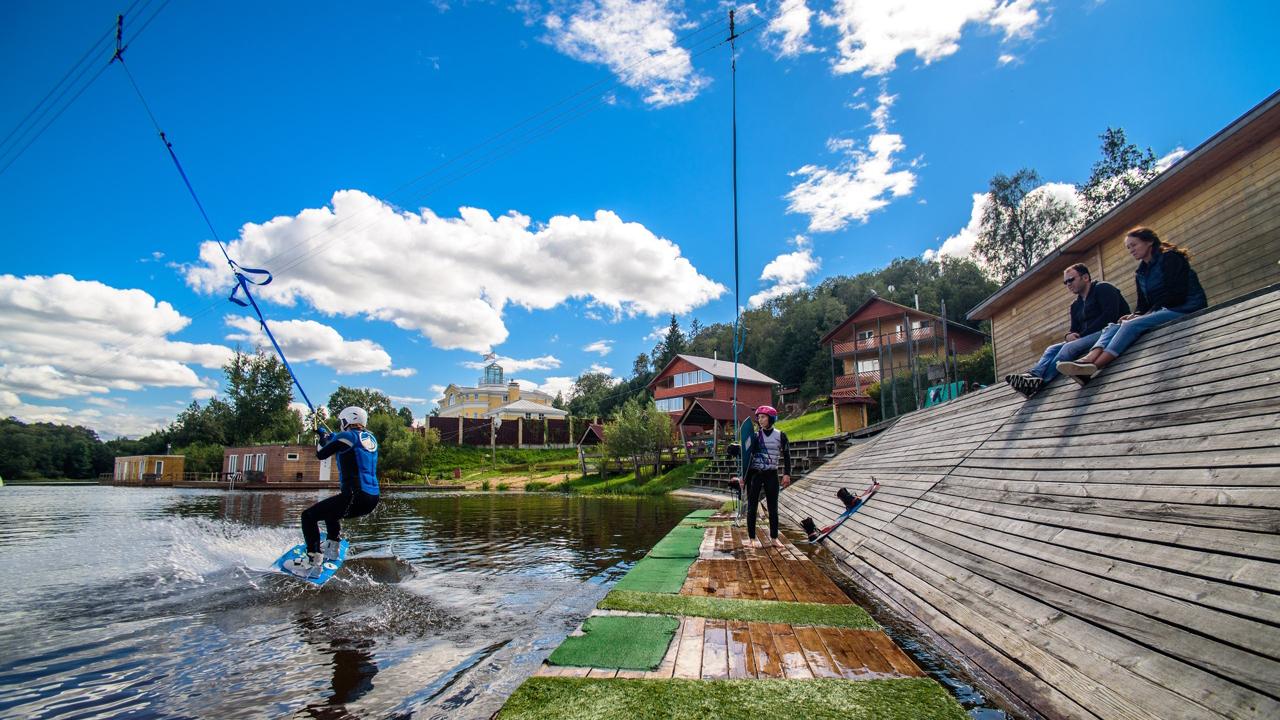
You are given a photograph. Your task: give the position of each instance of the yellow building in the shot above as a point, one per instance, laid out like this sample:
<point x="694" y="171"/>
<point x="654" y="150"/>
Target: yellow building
<point x="493" y="397"/>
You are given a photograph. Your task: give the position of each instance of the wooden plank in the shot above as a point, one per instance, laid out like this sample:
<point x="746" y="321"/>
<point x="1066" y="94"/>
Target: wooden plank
<point x="821" y="664"/>
<point x="897" y="659"/>
<point x="792" y="658"/>
<point x="689" y="657"/>
<point x="768" y="662"/>
<point x="741" y="657"/>
<point x="602" y="673"/>
<point x="715" y="650"/>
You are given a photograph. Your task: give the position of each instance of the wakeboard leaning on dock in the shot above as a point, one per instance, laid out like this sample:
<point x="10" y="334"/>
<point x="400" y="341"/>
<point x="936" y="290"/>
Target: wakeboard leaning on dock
<point x="327" y="569"/>
<point x="852" y="505"/>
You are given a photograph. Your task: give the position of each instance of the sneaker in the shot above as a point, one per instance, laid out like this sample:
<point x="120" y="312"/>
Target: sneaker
<point x="331" y="550"/>
<point x="1031" y="385"/>
<point x="1011" y="379"/>
<point x="1080" y="369"/>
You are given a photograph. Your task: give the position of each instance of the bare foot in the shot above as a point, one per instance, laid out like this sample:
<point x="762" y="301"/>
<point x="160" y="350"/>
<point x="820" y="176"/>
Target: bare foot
<point x="777" y="542"/>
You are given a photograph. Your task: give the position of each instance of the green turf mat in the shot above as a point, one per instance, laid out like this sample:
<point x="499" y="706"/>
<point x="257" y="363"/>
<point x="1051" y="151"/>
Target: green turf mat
<point x="656" y="575"/>
<point x="557" y="698"/>
<point x="794" y="613"/>
<point x="682" y="542"/>
<point x="703" y="514"/>
<point x="623" y="642"/>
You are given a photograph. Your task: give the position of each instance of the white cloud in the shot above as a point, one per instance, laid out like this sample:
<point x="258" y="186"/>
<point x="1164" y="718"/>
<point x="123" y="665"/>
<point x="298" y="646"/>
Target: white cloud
<point x="873" y="33"/>
<point x="512" y="365"/>
<point x="108" y="425"/>
<point x="437" y="393"/>
<point x="866" y="181"/>
<point x="61" y="337"/>
<point x="551" y="385"/>
<point x="786" y="273"/>
<point x="451" y="278"/>
<point x="788" y="31"/>
<point x="659" y="333"/>
<point x="636" y="40"/>
<point x="600" y="369"/>
<point x="310" y="341"/>
<point x="1170" y="158"/>
<point x="1006" y="59"/>
<point x="603" y="347"/>
<point x="409" y="400"/>
<point x="400" y="372"/>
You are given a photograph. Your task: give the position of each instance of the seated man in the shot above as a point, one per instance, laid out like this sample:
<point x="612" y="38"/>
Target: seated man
<point x="1097" y="304"/>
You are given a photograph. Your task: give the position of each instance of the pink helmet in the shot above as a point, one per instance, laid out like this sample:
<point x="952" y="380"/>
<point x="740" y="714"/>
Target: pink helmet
<point x="766" y="410"/>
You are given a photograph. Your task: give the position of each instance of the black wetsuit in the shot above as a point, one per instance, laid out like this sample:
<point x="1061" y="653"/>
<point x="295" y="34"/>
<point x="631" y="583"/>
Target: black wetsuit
<point x="770" y="448"/>
<point x="357" y="452"/>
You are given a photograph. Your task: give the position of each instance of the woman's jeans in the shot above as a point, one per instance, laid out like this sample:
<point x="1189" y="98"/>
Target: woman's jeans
<point x="1047" y="368"/>
<point x="1117" y="337"/>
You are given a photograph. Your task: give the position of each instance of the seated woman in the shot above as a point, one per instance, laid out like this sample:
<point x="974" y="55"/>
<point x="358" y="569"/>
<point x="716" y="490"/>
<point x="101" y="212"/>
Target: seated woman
<point x="1167" y="289"/>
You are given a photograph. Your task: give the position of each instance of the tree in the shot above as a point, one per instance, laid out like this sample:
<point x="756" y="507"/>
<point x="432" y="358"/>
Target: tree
<point x="260" y="390"/>
<point x="558" y="403"/>
<point x="639" y="431"/>
<point x="402" y="450"/>
<point x="1122" y="169"/>
<point x="590" y="391"/>
<point x="196" y="424"/>
<point x="406" y="415"/>
<point x="1022" y="221"/>
<point x="640" y="367"/>
<point x="373" y="401"/>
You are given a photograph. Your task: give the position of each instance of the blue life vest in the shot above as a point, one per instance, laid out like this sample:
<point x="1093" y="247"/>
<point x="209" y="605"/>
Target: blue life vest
<point x="357" y="460"/>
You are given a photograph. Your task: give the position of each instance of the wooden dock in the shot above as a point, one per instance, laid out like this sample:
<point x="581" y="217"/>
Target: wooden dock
<point x="717" y="649"/>
<point x="1111" y="551"/>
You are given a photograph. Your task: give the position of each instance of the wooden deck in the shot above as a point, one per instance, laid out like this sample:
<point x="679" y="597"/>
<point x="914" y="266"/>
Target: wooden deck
<point x="1110" y="551"/>
<point x="712" y="649"/>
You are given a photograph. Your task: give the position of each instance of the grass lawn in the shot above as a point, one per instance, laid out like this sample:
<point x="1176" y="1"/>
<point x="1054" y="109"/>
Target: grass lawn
<point x="811" y="426"/>
<point x="627" y="484"/>
<point x="561" y="698"/>
<point x="794" y="613"/>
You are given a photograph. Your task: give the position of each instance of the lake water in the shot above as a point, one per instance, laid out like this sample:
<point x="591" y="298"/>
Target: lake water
<point x="145" y="603"/>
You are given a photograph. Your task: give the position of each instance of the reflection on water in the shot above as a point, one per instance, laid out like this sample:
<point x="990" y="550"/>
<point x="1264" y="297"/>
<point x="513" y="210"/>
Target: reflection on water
<point x="151" y="603"/>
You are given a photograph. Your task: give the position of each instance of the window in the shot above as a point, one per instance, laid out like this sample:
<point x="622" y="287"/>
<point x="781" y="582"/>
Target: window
<point x="231" y="463"/>
<point x="868" y="365"/>
<point x="866" y="334"/>
<point x="291" y="456"/>
<point x="670" y="404"/>
<point x="247" y="463"/>
<point x="262" y="462"/>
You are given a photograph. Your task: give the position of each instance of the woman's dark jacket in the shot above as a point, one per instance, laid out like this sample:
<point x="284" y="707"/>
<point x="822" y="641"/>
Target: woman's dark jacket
<point x="1167" y="281"/>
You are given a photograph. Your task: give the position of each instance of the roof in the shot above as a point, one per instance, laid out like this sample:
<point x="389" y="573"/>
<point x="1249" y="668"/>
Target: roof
<point x="851" y="396"/>
<point x="909" y="310"/>
<point x="522" y="406"/>
<point x="720" y="369"/>
<point x="1225" y="144"/>
<point x="594" y="430"/>
<point x="712" y="409"/>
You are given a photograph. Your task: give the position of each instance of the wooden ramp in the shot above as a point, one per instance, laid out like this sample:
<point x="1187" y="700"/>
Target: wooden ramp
<point x="1105" y="552"/>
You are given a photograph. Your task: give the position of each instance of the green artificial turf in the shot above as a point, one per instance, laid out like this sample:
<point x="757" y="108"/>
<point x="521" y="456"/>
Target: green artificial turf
<point x="623" y="642"/>
<point x="656" y="575"/>
<point x="559" y="698"/>
<point x="701" y="514"/>
<point x="681" y="542"/>
<point x="794" y="613"/>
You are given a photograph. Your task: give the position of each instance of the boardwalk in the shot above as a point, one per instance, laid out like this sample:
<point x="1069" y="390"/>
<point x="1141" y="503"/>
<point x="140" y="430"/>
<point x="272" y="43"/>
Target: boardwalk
<point x="1105" y="552"/>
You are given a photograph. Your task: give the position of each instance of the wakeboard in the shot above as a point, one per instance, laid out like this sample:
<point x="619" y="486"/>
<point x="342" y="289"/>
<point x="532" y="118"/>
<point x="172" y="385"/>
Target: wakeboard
<point x="858" y="502"/>
<point x="328" y="570"/>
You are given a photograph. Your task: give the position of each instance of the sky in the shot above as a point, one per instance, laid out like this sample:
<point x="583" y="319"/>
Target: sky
<point x="547" y="181"/>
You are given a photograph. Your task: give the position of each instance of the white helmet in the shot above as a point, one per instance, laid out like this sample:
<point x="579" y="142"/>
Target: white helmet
<point x="352" y="416"/>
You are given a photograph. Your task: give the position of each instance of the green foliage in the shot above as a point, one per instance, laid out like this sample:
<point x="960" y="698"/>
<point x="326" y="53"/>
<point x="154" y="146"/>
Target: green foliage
<point x="638" y="432"/>
<point x="201" y="457"/>
<point x="259" y="389"/>
<point x="672" y="344"/>
<point x="1021" y="223"/>
<point x="627" y="484"/>
<point x="208" y="424"/>
<point x="485" y="485"/>
<point x="503" y="487"/>
<point x="810" y="426"/>
<point x="590" y="392"/>
<point x="445" y="457"/>
<point x="400" y="447"/>
<point x="46" y="450"/>
<point x="977" y="368"/>
<point x="373" y="401"/>
<point x="1121" y="170"/>
<point x="406" y="416"/>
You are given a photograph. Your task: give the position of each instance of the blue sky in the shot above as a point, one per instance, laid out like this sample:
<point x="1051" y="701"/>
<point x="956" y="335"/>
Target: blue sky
<point x="865" y="130"/>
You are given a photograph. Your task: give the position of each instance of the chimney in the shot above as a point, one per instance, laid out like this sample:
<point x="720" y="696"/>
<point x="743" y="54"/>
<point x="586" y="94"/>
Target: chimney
<point x="513" y="391"/>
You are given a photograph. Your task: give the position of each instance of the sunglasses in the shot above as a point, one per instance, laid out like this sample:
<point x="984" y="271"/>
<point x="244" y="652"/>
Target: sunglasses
<point x="1068" y="281"/>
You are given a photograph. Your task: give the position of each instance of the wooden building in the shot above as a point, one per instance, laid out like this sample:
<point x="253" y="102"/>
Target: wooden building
<point x="1219" y="202"/>
<point x="878" y="340"/>
<point x="276" y="463"/>
<point x="688" y="377"/>
<point x="148" y="469"/>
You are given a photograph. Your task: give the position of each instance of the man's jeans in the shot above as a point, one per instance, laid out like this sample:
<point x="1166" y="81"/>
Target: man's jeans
<point x="1047" y="368"/>
<point x="1117" y="337"/>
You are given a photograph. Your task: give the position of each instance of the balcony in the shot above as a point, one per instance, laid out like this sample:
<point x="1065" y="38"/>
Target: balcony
<point x="853" y="380"/>
<point x="874" y="343"/>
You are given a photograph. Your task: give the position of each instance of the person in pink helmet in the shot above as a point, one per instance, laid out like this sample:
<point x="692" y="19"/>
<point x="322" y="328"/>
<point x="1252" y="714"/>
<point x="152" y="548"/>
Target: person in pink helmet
<point x="767" y="452"/>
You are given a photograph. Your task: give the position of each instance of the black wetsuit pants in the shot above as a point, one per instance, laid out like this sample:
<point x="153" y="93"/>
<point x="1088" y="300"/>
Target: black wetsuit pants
<point x="348" y="504"/>
<point x="768" y="480"/>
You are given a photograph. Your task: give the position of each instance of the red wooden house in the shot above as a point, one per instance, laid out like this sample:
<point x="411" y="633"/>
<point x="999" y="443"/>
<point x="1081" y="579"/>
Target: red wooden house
<point x="879" y="339"/>
<point x="688" y="379"/>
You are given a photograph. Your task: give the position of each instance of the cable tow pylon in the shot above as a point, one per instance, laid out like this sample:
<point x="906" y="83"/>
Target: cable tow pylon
<point x="244" y="276"/>
<point x="741" y="490"/>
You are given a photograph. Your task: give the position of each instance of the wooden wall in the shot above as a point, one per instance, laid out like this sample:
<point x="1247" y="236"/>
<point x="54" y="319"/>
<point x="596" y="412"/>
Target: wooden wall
<point x="1110" y="551"/>
<point x="1229" y="220"/>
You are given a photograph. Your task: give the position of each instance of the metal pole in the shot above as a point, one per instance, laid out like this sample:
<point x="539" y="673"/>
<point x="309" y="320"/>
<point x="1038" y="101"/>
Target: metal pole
<point x="737" y="314"/>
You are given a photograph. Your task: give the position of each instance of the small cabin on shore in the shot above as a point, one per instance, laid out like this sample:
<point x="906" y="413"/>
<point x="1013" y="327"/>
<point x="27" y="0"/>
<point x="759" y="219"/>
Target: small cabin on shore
<point x="274" y="463"/>
<point x="148" y="469"/>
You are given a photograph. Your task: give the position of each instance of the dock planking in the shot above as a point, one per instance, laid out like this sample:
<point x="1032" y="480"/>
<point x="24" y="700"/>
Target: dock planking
<point x="1106" y="551"/>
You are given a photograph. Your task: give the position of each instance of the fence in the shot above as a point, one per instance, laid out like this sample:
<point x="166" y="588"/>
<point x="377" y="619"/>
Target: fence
<point x="521" y="433"/>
